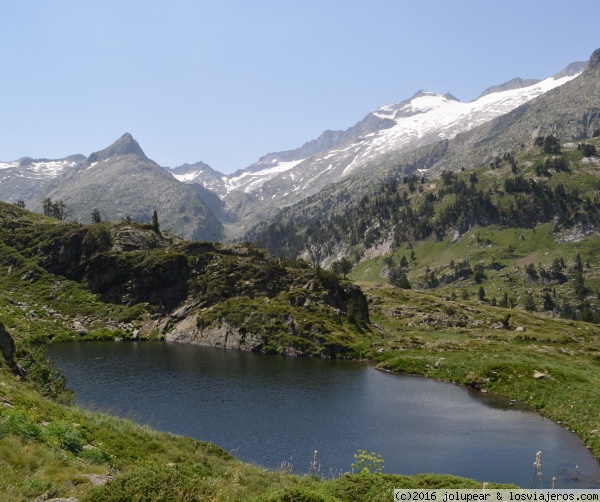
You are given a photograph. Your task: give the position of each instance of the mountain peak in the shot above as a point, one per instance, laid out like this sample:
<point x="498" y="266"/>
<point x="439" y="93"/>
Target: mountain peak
<point x="573" y="69"/>
<point x="423" y="93"/>
<point x="515" y="83"/>
<point x="451" y="97"/>
<point x="125" y="145"/>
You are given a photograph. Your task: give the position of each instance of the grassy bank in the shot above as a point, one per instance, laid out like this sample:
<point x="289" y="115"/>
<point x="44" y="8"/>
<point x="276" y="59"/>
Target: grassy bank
<point x="51" y="450"/>
<point x="549" y="363"/>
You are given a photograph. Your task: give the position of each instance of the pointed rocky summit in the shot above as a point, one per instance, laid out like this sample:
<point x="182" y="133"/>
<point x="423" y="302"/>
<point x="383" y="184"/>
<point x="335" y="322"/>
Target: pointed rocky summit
<point x="125" y="145"/>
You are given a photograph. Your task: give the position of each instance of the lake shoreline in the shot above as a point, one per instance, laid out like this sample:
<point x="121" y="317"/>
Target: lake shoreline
<point x="558" y="419"/>
<point x="226" y="355"/>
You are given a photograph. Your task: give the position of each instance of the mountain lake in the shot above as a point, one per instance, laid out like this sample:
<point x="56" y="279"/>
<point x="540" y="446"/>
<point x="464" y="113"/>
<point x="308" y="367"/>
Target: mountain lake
<point x="276" y="411"/>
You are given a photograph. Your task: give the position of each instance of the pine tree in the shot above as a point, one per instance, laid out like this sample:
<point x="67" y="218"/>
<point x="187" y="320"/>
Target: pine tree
<point x="155" y="224"/>
<point x="96" y="215"/>
<point x="578" y="265"/>
<point x="345" y="267"/>
<point x="579" y="286"/>
<point x="397" y="277"/>
<point x="548" y="302"/>
<point x="481" y="293"/>
<point x="58" y="209"/>
<point x="529" y="303"/>
<point x="551" y="145"/>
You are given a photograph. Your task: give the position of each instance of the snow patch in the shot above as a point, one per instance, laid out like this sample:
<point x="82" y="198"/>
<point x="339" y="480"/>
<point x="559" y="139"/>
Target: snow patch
<point x="187" y="177"/>
<point x="50" y="168"/>
<point x="247" y="181"/>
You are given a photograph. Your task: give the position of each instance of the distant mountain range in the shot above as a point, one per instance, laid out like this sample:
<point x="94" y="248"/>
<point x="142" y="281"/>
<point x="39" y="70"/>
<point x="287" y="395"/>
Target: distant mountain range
<point x="283" y="178"/>
<point x="198" y="202"/>
<point x="570" y="112"/>
<point x="120" y="181"/>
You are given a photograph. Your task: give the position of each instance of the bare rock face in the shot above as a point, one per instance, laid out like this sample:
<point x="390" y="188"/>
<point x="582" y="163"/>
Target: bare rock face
<point x="125" y="145"/>
<point x="594" y="62"/>
<point x="225" y="335"/>
<point x="7" y="347"/>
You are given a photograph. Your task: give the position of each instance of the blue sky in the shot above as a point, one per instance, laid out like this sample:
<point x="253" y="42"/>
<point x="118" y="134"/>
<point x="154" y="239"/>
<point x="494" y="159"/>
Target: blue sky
<point x="227" y="81"/>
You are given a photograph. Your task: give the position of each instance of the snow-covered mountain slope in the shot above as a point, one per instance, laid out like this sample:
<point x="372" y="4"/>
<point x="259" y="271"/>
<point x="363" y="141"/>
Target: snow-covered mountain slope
<point x="201" y="174"/>
<point x="38" y="168"/>
<point x="24" y="178"/>
<point x="570" y="112"/>
<point x="283" y="178"/>
<point x="445" y="117"/>
<point x="425" y="118"/>
<point x="250" y="181"/>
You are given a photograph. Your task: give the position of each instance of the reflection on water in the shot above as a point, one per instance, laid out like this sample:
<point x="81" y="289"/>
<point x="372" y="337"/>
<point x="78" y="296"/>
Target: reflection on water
<point x="270" y="409"/>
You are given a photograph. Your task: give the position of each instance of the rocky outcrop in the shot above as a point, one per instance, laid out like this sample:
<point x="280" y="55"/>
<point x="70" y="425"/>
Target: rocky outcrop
<point x="224" y="335"/>
<point x="515" y="83"/>
<point x="159" y="280"/>
<point x="229" y="336"/>
<point x="234" y="296"/>
<point x="594" y="62"/>
<point x="7" y="344"/>
<point x="7" y="347"/>
<point x="93" y="255"/>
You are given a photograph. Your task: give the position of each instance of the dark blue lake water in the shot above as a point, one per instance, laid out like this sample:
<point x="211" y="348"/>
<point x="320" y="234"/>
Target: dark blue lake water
<point x="270" y="409"/>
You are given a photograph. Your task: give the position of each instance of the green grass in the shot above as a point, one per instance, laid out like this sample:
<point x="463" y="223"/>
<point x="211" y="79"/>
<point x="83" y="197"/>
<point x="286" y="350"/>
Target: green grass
<point x="513" y="248"/>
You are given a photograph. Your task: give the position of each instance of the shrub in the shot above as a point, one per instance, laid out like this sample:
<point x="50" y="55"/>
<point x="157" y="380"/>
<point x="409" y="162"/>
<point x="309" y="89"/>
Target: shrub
<point x="296" y="494"/>
<point x="49" y="381"/>
<point x="182" y="483"/>
<point x="65" y="436"/>
<point x="98" y="238"/>
<point x="35" y="487"/>
<point x="20" y="424"/>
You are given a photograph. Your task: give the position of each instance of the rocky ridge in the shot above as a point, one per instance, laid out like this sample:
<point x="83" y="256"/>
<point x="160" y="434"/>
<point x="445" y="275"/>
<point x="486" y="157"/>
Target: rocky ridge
<point x="230" y="295"/>
<point x="219" y="206"/>
<point x="281" y="179"/>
